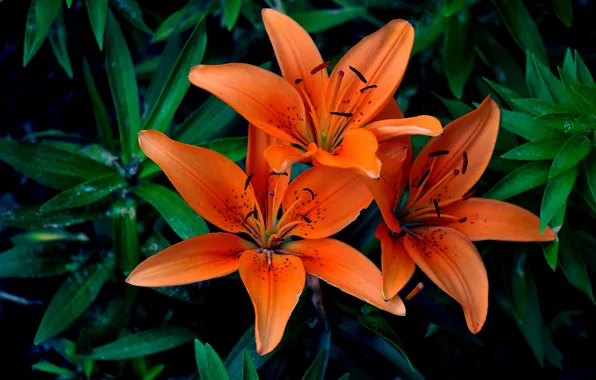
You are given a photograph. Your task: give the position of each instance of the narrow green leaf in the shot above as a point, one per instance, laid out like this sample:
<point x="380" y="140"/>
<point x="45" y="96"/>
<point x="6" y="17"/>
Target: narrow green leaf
<point x="515" y="285"/>
<point x="234" y="361"/>
<point x="167" y="61"/>
<point x="345" y="376"/>
<point x="522" y="27"/>
<point x="590" y="173"/>
<point x="178" y="83"/>
<point x="208" y="362"/>
<point x="526" y="126"/>
<point x="69" y="3"/>
<point x="556" y="194"/>
<point x="132" y="12"/>
<point x="583" y="97"/>
<point x="573" y="266"/>
<point x="506" y="94"/>
<point x="451" y="7"/>
<point x="48" y="367"/>
<point x="583" y="74"/>
<point x="569" y="67"/>
<point x="126" y="240"/>
<point x="536" y="150"/>
<point x="38" y="260"/>
<point x="213" y="119"/>
<point x="316" y="371"/>
<point x="231" y="12"/>
<point x="564" y="11"/>
<point x="551" y="250"/>
<point x="541" y="107"/>
<point x="378" y="324"/>
<point x="40" y="17"/>
<point x="57" y="39"/>
<point x="568" y="123"/>
<point x="98" y="13"/>
<point x="455" y="107"/>
<point x="183" y="19"/>
<point x="154" y="372"/>
<point x="176" y="212"/>
<point x="458" y="53"/>
<point x="249" y="372"/>
<point x="192" y="293"/>
<point x="570" y="154"/>
<point x="31" y="217"/>
<point x="525" y="178"/>
<point x="428" y="30"/>
<point x="86" y="193"/>
<point x="143" y="343"/>
<point x="102" y="120"/>
<point x="72" y="298"/>
<point x="533" y="326"/>
<point x="321" y="20"/>
<point x="46" y="236"/>
<point x="543" y="84"/>
<point x="123" y="84"/>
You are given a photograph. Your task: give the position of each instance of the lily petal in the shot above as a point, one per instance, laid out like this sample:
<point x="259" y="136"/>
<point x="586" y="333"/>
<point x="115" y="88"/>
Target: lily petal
<point x="345" y="268"/>
<point x="357" y="151"/>
<point x="381" y="59"/>
<point x="452" y="262"/>
<point x="281" y="156"/>
<point x="193" y="260"/>
<point x="274" y="287"/>
<point x="297" y="55"/>
<point x="386" y="130"/>
<point x="488" y="219"/>
<point x="396" y="265"/>
<point x="212" y="184"/>
<point x="260" y="96"/>
<point x="324" y="201"/>
<point x="390" y="110"/>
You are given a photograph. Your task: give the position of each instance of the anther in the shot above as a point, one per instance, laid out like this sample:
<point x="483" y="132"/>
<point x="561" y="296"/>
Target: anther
<point x="415" y="291"/>
<point x="437" y="209"/>
<point x="320" y="67"/>
<point x="426" y="173"/>
<point x="274" y="173"/>
<point x="298" y="80"/>
<point x="248" y="181"/>
<point x="346" y="114"/>
<point x="438" y="153"/>
<point x="464" y="168"/>
<point x="306" y="219"/>
<point x="312" y="193"/>
<point x="360" y="76"/>
<point x="367" y="88"/>
<point x="462" y="220"/>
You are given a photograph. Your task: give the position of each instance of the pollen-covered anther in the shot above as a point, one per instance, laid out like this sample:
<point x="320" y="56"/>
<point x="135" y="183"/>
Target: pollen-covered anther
<point x="312" y="193"/>
<point x="274" y="173"/>
<point x="423" y="178"/>
<point x="297" y="81"/>
<point x="306" y="219"/>
<point x="247" y="182"/>
<point x="437" y="209"/>
<point x="462" y="220"/>
<point x="464" y="167"/>
<point x="345" y="114"/>
<point x="320" y="67"/>
<point x="438" y="153"/>
<point x="415" y="291"/>
<point x="367" y="88"/>
<point x="359" y="74"/>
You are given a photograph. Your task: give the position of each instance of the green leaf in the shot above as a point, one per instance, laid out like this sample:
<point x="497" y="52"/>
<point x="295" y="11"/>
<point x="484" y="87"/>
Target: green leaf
<point x="590" y="173"/>
<point x="573" y="266"/>
<point x="54" y="369"/>
<point x="154" y="372"/>
<point x="57" y="39"/>
<point x="31" y="217"/>
<point x="86" y="193"/>
<point x="176" y="212"/>
<point x="583" y="74"/>
<point x="451" y="7"/>
<point x="177" y="84"/>
<point x="249" y="372"/>
<point x="40" y="17"/>
<point x="102" y="120"/>
<point x="234" y="361"/>
<point x="556" y="194"/>
<point x="316" y="371"/>
<point x="569" y="68"/>
<point x="72" y="298"/>
<point x="143" y="343"/>
<point x="551" y="250"/>
<point x="98" y="12"/>
<point x="536" y="150"/>
<point x="455" y="107"/>
<point x="568" y="123"/>
<point x="428" y="30"/>
<point x="123" y="84"/>
<point x="126" y="241"/>
<point x="458" y="53"/>
<point x="69" y="3"/>
<point x="208" y="362"/>
<point x="321" y="20"/>
<point x="506" y="94"/>
<point x="583" y="97"/>
<point x="527" y="177"/>
<point x="183" y="19"/>
<point x="193" y="293"/>
<point x="213" y="119"/>
<point x="378" y="324"/>
<point x="167" y="61"/>
<point x="564" y="11"/>
<point x="542" y="84"/>
<point x="522" y="28"/>
<point x="231" y="12"/>
<point x="131" y="11"/>
<point x="540" y="107"/>
<point x="37" y="260"/>
<point x="526" y="126"/>
<point x="46" y="236"/>
<point x="571" y="153"/>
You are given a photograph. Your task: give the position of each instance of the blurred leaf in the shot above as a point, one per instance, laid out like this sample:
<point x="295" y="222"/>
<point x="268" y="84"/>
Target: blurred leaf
<point x="181" y="20"/>
<point x="213" y="119"/>
<point x="86" y="193"/>
<point x="98" y="12"/>
<point x="123" y="84"/>
<point x="569" y="68"/>
<point x="102" y="120"/>
<point x="527" y="177"/>
<point x="540" y="107"/>
<point x="428" y="30"/>
<point x="167" y="61"/>
<point x="515" y="284"/>
<point x="563" y="10"/>
<point x="31" y="217"/>
<point x="458" y="53"/>
<point x="455" y="107"/>
<point x="38" y="260"/>
<point x="191" y="293"/>
<point x="571" y="153"/>
<point x="522" y="27"/>
<point x="131" y="11"/>
<point x="143" y="343"/>
<point x="551" y="250"/>
<point x="536" y="150"/>
<point x="234" y="361"/>
<point x="40" y="17"/>
<point x="563" y="318"/>
<point x="555" y="195"/>
<point x="48" y="235"/>
<point x="506" y="94"/>
<point x="233" y="148"/>
<point x="154" y="372"/>
<point x="57" y="39"/>
<point x="590" y="173"/>
<point x="54" y="369"/>
<point x="231" y="12"/>
<point x="316" y="371"/>
<point x="177" y="84"/>
<point x="88" y="367"/>
<point x="583" y="74"/>
<point x="147" y="67"/>
<point x="176" y="212"/>
<point x="72" y="298"/>
<point x="323" y="19"/>
<point x="573" y="266"/>
<point x="526" y="126"/>
<point x="126" y="241"/>
<point x="249" y="371"/>
<point x="542" y="84"/>
<point x="451" y="7"/>
<point x="378" y="324"/>
<point x="208" y="362"/>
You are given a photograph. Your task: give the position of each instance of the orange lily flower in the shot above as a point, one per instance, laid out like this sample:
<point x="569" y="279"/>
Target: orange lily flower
<point x="318" y="117"/>
<point x="436" y="227"/>
<point x="318" y="203"/>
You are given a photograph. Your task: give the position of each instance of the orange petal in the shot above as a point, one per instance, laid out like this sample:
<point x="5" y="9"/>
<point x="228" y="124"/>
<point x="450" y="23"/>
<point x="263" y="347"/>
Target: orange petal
<point x="396" y="265"/>
<point x="324" y="200"/>
<point x="261" y="97"/>
<point x="297" y="55"/>
<point x="196" y="259"/>
<point x="386" y="130"/>
<point x="390" y="110"/>
<point x="274" y="286"/>
<point x="471" y="139"/>
<point x="213" y="185"/>
<point x="381" y="58"/>
<point x="389" y="188"/>
<point x="452" y="262"/>
<point x="488" y="219"/>
<point x="357" y="151"/>
<point x="344" y="267"/>
<point x="282" y="156"/>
